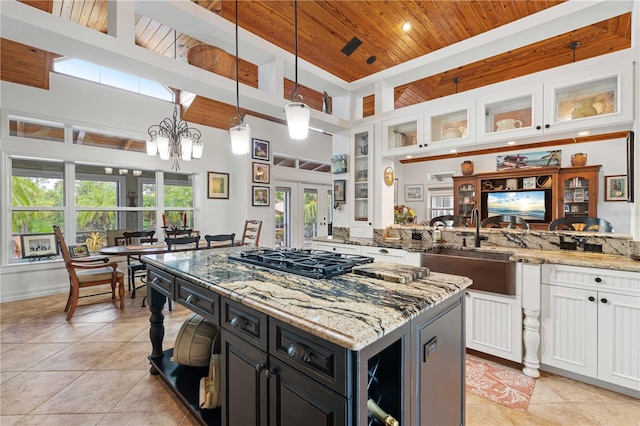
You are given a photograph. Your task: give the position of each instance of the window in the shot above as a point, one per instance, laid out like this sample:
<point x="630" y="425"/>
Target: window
<point x="37" y="199"/>
<point x="35" y="129"/>
<point x="100" y="140"/>
<point x="178" y="200"/>
<point x="440" y="202"/>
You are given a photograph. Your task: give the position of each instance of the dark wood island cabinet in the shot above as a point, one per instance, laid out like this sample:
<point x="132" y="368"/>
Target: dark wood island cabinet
<point x="303" y="351"/>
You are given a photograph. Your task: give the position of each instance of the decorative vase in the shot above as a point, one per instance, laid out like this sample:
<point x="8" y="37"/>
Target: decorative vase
<point x="584" y="108"/>
<point x="579" y="159"/>
<point x="467" y="168"/>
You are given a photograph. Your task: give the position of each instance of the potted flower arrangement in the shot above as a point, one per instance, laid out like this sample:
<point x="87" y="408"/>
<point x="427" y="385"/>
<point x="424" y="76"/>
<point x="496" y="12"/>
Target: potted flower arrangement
<point x="403" y="215"/>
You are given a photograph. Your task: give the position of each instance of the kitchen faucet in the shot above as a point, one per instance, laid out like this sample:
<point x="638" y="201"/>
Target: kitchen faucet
<point x="475" y="216"/>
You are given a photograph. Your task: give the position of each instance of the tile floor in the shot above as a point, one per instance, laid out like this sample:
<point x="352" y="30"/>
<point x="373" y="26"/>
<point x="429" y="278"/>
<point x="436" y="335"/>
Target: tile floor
<point x="93" y="371"/>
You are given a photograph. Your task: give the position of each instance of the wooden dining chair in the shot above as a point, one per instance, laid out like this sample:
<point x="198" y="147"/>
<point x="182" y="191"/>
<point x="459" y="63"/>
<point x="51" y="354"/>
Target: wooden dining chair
<point x="251" y="233"/>
<point x="173" y="243"/>
<point x="220" y="238"/>
<point x="504" y="221"/>
<point x="446" y="219"/>
<point x="87" y="272"/>
<point x="135" y="266"/>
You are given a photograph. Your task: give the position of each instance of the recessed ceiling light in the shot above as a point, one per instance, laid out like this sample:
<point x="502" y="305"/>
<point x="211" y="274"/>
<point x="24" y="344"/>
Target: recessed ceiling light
<point x="453" y="150"/>
<point x="583" y="133"/>
<point x="409" y="156"/>
<point x="406" y="26"/>
<point x="511" y="143"/>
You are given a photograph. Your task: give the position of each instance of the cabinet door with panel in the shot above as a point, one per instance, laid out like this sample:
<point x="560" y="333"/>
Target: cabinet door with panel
<point x="361" y="188"/>
<point x="381" y="254"/>
<point x="578" y="191"/>
<point x="402" y="136"/>
<point x="337" y="247"/>
<point x="465" y="192"/>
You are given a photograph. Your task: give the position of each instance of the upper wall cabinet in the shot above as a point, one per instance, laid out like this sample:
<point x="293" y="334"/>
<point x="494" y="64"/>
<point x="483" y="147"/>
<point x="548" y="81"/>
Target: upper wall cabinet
<point x="449" y="123"/>
<point x="361" y="188"/>
<point x="599" y="97"/>
<point x="402" y="135"/>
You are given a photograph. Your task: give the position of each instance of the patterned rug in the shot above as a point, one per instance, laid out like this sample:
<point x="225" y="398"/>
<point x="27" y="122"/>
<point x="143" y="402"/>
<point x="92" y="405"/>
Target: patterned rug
<point x="505" y="386"/>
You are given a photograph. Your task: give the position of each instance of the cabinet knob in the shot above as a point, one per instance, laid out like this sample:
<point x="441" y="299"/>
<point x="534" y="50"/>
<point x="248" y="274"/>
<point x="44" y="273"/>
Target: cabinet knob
<point x="538" y="127"/>
<point x="603" y="300"/>
<point x="299" y="352"/>
<point x="269" y="373"/>
<point x="546" y="126"/>
<point x="591" y="298"/>
<point x="598" y="279"/>
<point x="259" y="367"/>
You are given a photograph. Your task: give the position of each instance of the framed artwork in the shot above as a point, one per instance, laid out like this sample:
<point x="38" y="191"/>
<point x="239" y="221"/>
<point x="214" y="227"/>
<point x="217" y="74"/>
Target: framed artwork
<point x="530" y="159"/>
<point x="529" y="182"/>
<point x="80" y="250"/>
<point x="339" y="164"/>
<point x="413" y="193"/>
<point x="566" y="208"/>
<point x="218" y="185"/>
<point x="38" y="245"/>
<point x="260" y="196"/>
<point x="260" y="149"/>
<point x="340" y="191"/>
<point x="615" y="188"/>
<point x="630" y="167"/>
<point x="568" y="196"/>
<point x="261" y="172"/>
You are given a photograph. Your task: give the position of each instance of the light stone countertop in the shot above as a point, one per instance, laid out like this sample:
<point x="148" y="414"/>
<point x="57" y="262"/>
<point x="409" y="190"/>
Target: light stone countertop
<point x="349" y="310"/>
<point x="559" y="257"/>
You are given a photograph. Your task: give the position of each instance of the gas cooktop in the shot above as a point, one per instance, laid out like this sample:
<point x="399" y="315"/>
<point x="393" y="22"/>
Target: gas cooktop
<point x="305" y="262"/>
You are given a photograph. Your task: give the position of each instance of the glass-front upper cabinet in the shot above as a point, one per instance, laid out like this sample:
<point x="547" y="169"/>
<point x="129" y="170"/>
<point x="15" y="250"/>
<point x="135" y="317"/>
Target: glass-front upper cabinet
<point x="402" y="135"/>
<point x="449" y="123"/>
<point x="362" y="167"/>
<point x="510" y="117"/>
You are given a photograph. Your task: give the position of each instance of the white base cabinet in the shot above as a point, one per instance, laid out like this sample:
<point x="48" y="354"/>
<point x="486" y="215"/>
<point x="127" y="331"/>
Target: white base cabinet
<point x="494" y="324"/>
<point x="591" y="323"/>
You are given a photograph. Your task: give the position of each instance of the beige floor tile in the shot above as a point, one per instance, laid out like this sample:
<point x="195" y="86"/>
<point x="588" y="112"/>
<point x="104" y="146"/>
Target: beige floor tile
<point x="6" y="346"/>
<point x="149" y="394"/>
<point x="61" y="420"/>
<point x="93" y="392"/>
<point x="6" y="375"/>
<point x="484" y="415"/>
<point x="78" y="356"/>
<point x="158" y="418"/>
<point x="131" y="356"/>
<point x="116" y="332"/>
<point x="611" y="413"/>
<point x="549" y="413"/>
<point x="571" y="390"/>
<point x="25" y="355"/>
<point x="542" y="392"/>
<point x="189" y="420"/>
<point x="473" y="399"/>
<point x="71" y="332"/>
<point x="21" y="333"/>
<point x="28" y="390"/>
<point x="10" y="420"/>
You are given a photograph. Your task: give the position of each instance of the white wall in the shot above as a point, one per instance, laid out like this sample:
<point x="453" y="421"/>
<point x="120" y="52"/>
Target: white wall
<point x="611" y="154"/>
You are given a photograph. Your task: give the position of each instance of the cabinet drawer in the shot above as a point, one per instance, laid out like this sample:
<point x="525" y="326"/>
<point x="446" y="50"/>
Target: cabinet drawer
<point x="323" y="361"/>
<point x="338" y="248"/>
<point x="247" y="323"/>
<point x="161" y="281"/>
<point x="196" y="298"/>
<point x="382" y="254"/>
<point x="591" y="278"/>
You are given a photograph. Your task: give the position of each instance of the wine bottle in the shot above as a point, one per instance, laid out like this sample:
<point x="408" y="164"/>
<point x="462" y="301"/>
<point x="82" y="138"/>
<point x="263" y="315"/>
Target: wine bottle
<point x="378" y="413"/>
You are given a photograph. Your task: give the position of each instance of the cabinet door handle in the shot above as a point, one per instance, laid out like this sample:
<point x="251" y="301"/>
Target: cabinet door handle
<point x="238" y="322"/>
<point x="598" y="279"/>
<point x="603" y="300"/>
<point x="189" y="298"/>
<point x="591" y="298"/>
<point x="383" y="251"/>
<point x="299" y="352"/>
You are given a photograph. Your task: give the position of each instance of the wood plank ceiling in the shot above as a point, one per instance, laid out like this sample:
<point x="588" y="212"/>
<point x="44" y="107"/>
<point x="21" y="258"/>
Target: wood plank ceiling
<point x="325" y="27"/>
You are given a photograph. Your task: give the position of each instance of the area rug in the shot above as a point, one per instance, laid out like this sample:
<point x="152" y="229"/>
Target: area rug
<point x="498" y="384"/>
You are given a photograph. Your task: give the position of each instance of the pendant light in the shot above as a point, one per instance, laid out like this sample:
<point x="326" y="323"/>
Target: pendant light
<point x="240" y="135"/>
<point x="297" y="112"/>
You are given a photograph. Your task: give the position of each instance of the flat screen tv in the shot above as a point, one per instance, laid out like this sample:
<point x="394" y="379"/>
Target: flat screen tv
<point x="532" y="206"/>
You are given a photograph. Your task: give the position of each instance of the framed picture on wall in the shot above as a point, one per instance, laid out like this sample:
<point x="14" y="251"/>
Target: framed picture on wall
<point x="34" y="245"/>
<point x="260" y="149"/>
<point x="413" y="193"/>
<point x="260" y="196"/>
<point x="260" y="173"/>
<point x="339" y="191"/>
<point x="218" y="185"/>
<point x="615" y="188"/>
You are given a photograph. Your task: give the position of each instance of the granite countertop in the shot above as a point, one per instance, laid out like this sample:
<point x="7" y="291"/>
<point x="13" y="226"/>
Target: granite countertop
<point x="558" y="257"/>
<point x="350" y="310"/>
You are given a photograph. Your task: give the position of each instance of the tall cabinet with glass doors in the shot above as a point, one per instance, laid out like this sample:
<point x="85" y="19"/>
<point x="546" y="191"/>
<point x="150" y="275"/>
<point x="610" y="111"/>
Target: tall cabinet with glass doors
<point x="361" y="189"/>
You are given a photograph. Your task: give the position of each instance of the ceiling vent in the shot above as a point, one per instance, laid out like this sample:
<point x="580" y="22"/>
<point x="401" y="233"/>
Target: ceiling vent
<point x="351" y="47"/>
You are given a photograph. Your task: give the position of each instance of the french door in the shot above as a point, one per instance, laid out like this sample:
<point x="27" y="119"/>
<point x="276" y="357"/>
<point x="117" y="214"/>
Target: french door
<point x="302" y="211"/>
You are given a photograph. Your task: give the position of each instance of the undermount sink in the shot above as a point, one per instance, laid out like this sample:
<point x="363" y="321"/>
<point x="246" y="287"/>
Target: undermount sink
<point x="490" y="271"/>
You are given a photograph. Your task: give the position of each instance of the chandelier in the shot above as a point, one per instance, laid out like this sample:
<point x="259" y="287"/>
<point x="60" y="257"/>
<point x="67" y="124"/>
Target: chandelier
<point x="296" y="111"/>
<point x="173" y="139"/>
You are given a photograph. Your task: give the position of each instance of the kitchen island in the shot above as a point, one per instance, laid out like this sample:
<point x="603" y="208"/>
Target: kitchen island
<point x="297" y="350"/>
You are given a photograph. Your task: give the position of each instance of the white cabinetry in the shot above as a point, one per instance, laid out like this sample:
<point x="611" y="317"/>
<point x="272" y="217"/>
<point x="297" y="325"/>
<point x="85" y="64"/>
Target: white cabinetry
<point x="600" y="96"/>
<point x="361" y="189"/>
<point x="449" y="123"/>
<point x="591" y="323"/>
<point x="338" y="248"/>
<point x="403" y="135"/>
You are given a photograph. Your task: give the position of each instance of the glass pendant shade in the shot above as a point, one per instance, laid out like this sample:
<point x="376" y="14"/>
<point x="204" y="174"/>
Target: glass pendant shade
<point x="197" y="150"/>
<point x="298" y="115"/>
<point x="240" y="139"/>
<point x="186" y="147"/>
<point x="152" y="147"/>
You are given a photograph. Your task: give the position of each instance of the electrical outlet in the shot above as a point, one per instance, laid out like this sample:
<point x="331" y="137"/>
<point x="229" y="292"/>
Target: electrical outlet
<point x="594" y="248"/>
<point x="416" y="236"/>
<point x="568" y="245"/>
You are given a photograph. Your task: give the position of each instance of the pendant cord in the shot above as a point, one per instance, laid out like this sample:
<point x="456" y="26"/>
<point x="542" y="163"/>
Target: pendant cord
<point x="295" y="87"/>
<point x="240" y="118"/>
